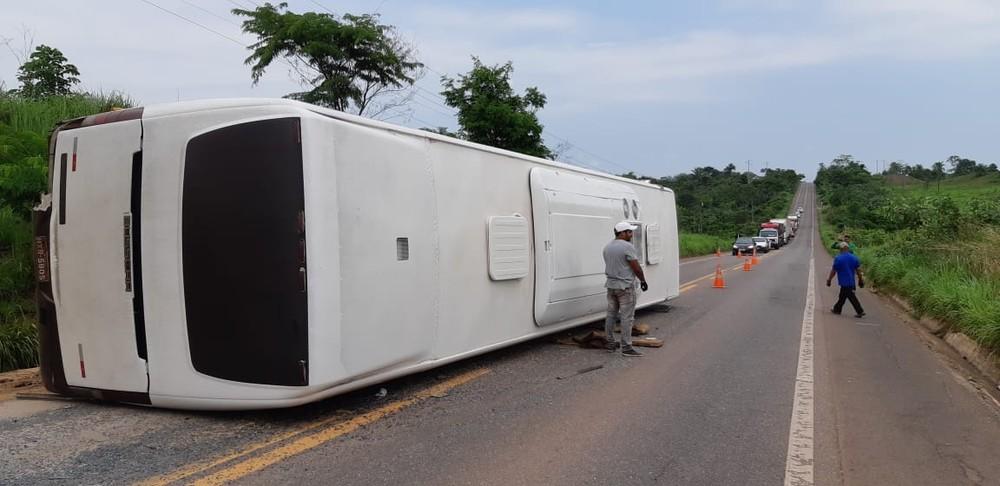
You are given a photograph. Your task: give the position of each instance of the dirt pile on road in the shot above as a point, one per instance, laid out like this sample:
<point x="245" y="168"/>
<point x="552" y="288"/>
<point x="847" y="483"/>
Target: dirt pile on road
<point x="13" y="382"/>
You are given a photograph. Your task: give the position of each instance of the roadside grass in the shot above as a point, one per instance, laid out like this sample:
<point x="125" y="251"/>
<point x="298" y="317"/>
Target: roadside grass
<point x="941" y="288"/>
<point x="956" y="280"/>
<point x="18" y="346"/>
<point x="24" y="130"/>
<point x="40" y="116"/>
<point x="693" y="244"/>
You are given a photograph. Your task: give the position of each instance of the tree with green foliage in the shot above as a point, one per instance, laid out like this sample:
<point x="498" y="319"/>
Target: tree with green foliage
<point x="961" y="166"/>
<point x="727" y="202"/>
<point x="491" y="113"/>
<point x="847" y="186"/>
<point x="46" y="73"/>
<point x="349" y="61"/>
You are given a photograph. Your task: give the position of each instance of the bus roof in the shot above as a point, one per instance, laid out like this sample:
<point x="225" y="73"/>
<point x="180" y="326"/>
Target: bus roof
<point x="182" y="107"/>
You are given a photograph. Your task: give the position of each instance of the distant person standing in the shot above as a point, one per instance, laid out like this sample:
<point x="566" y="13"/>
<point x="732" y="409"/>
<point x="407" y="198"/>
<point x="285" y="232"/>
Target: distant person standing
<point x="844" y="239"/>
<point x="621" y="266"/>
<point x="845" y="267"/>
<point x="850" y="244"/>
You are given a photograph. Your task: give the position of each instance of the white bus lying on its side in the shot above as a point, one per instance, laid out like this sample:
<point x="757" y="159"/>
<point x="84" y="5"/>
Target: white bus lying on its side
<point x="239" y="254"/>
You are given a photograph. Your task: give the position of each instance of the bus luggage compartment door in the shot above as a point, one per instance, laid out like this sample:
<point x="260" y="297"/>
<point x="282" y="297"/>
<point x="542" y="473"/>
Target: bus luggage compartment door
<point x="574" y="217"/>
<point x="95" y="246"/>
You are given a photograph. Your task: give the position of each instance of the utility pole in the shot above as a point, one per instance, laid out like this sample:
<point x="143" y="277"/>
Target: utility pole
<point x="750" y="191"/>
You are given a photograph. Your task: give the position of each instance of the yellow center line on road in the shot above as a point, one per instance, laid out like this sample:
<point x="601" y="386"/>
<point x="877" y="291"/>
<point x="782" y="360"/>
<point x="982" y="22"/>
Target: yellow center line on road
<point x="692" y="284"/>
<point x="337" y="429"/>
<point x="689" y="287"/>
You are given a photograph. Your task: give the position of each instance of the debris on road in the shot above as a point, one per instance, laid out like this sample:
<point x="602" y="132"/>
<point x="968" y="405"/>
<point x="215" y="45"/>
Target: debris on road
<point x="31" y="395"/>
<point x="639" y="329"/>
<point x="382" y="392"/>
<point x="597" y="340"/>
<point x="580" y="372"/>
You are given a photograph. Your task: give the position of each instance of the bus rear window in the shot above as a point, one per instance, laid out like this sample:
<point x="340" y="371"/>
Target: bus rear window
<point x="243" y="255"/>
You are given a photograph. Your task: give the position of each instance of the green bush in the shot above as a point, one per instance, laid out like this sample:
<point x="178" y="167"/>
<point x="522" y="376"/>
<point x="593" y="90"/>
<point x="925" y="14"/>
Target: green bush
<point x="936" y="249"/>
<point x="18" y="346"/>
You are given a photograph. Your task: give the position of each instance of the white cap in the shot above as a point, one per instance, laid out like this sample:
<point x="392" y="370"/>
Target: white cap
<point x="624" y="226"/>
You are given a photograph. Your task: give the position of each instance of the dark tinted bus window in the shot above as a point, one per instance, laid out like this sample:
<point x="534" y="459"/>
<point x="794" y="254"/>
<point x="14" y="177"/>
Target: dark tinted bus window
<point x="246" y="310"/>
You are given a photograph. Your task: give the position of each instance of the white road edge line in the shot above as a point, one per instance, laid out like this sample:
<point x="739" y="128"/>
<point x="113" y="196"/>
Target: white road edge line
<point x="799" y="461"/>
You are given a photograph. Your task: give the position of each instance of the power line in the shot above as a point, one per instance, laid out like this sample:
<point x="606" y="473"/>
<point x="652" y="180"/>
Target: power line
<point x="429" y="107"/>
<point x="581" y="149"/>
<point x="213" y="14"/>
<point x="238" y="5"/>
<point x="323" y="7"/>
<point x="435" y="95"/>
<point x="175" y="14"/>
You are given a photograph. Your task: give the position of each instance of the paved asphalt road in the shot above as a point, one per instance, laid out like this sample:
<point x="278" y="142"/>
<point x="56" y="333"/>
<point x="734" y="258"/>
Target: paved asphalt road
<point x="883" y="403"/>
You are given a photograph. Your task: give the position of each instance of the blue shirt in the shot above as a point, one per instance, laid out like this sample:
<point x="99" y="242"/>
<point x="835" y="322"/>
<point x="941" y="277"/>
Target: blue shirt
<point x="845" y="264"/>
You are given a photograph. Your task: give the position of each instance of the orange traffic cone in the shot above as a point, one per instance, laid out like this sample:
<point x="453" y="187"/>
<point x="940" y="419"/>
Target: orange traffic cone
<point x="719" y="283"/>
<point x="754" y="261"/>
<point x="747" y="265"/>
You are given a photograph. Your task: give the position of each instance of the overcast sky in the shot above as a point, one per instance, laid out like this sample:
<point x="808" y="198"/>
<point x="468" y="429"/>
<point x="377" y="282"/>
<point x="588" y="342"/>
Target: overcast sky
<point x="653" y="87"/>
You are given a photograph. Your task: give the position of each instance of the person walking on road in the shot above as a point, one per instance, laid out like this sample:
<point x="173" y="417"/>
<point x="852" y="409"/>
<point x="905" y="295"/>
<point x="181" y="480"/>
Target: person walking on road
<point x="845" y="267"/>
<point x="621" y="267"/>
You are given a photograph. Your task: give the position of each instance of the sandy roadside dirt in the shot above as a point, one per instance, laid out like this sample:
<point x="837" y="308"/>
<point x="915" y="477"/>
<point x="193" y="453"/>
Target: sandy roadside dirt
<point x="17" y="381"/>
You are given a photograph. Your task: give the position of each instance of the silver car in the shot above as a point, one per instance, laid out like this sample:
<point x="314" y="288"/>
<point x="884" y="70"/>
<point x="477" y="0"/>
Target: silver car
<point x="763" y="246"/>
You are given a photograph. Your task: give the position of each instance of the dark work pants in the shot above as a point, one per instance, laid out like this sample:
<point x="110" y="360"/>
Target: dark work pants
<point x="847" y="293"/>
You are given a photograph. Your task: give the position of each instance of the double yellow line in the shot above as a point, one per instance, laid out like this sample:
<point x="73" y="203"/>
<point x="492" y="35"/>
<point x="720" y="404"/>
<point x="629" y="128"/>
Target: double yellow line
<point x="243" y="462"/>
<point x="694" y="283"/>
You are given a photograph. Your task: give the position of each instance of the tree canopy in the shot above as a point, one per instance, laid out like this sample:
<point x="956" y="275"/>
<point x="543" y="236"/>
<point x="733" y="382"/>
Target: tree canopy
<point x="728" y="202"/>
<point x="491" y="113"/>
<point x="46" y="73"/>
<point x="348" y="61"/>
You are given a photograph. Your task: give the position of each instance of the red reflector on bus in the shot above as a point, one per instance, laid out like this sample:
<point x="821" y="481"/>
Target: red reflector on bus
<point x="83" y="369"/>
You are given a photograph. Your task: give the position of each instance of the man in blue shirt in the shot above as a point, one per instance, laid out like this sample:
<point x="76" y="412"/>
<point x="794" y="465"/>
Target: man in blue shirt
<point x="845" y="266"/>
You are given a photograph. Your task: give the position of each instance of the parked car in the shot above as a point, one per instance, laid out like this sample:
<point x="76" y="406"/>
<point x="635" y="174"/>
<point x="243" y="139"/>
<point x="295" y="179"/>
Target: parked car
<point x="743" y="245"/>
<point x="763" y="246"/>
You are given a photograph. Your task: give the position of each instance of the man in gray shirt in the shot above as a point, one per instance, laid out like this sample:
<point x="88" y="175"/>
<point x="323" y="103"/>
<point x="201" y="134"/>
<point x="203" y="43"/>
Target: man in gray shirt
<point x="621" y="266"/>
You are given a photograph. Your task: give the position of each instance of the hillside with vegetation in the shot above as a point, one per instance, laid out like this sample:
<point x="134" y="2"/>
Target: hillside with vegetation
<point x="933" y="243"/>
<point x="27" y="116"/>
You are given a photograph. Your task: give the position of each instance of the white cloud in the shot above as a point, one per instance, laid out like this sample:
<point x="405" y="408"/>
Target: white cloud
<point x="577" y="59"/>
<point x="681" y="67"/>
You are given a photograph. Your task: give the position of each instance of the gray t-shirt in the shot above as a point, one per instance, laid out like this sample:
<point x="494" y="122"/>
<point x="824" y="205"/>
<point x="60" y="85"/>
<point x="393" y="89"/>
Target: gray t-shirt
<point x="617" y="254"/>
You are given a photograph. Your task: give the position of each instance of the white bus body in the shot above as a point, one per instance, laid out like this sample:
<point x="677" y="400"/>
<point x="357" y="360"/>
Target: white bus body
<point x="244" y="254"/>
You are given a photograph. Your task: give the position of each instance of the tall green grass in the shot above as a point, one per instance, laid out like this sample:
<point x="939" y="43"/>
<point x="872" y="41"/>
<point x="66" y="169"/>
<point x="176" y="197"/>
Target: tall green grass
<point x="944" y="260"/>
<point x="18" y="346"/>
<point x="24" y="130"/>
<point x="693" y="244"/>
<point x="39" y="116"/>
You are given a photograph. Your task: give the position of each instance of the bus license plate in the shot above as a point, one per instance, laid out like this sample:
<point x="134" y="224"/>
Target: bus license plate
<point x="42" y="258"/>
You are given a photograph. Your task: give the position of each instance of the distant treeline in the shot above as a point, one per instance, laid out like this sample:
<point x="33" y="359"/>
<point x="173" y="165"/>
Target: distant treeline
<point x="727" y="202"/>
<point x="954" y="166"/>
